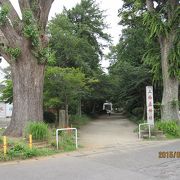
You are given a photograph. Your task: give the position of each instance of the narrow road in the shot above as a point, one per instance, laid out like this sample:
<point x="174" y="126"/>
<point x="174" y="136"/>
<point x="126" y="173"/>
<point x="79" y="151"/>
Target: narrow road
<point x="108" y="130"/>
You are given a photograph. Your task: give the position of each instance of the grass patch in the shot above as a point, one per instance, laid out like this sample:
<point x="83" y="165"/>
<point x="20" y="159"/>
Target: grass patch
<point x="18" y="148"/>
<point x="22" y="151"/>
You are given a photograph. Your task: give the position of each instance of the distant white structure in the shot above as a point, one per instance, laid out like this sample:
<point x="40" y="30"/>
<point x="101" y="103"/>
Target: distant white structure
<point x="2" y="75"/>
<point x="2" y="78"/>
<point x="5" y="108"/>
<point x="108" y="107"/>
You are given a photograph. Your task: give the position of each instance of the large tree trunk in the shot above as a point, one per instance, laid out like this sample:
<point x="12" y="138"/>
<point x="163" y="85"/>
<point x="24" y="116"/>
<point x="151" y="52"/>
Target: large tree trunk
<point x="28" y="78"/>
<point x="27" y="74"/>
<point x="169" y="106"/>
<point x="57" y="118"/>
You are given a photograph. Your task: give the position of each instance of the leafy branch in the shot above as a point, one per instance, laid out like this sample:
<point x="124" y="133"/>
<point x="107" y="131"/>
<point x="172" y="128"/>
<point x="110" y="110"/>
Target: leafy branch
<point x="3" y="14"/>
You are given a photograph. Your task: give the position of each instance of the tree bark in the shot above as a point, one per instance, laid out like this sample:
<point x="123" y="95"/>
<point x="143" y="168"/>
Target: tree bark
<point x="28" y="78"/>
<point x="27" y="74"/>
<point x="169" y="106"/>
<point x="79" y="112"/>
<point x="66" y="111"/>
<point x="57" y="118"/>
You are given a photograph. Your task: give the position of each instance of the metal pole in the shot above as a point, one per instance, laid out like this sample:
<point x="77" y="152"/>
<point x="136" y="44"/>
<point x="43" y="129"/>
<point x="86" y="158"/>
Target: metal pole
<point x="76" y="139"/>
<point x="30" y="141"/>
<point x="5" y="144"/>
<point x="57" y="143"/>
<point x="65" y="129"/>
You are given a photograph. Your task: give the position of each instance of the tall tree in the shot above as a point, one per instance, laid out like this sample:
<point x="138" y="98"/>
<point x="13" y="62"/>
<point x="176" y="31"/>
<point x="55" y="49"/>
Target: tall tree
<point x="76" y="36"/>
<point x="24" y="46"/>
<point x="61" y="86"/>
<point x="80" y="29"/>
<point x="161" y="18"/>
<point x="128" y="73"/>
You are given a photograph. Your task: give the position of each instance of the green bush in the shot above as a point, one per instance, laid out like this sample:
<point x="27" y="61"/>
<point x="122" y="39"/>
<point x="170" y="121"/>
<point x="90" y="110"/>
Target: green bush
<point x="22" y="151"/>
<point x="16" y="150"/>
<point x="29" y="153"/>
<point x="78" y="121"/>
<point x="39" y="130"/>
<point x="169" y="127"/>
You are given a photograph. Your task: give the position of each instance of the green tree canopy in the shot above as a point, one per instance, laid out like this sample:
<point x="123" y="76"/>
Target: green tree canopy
<point x="76" y="35"/>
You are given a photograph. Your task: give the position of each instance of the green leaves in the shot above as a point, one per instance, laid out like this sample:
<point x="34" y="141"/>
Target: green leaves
<point x="14" y="52"/>
<point x="7" y="92"/>
<point x="61" y="83"/>
<point x="3" y="14"/>
<point x="152" y="58"/>
<point x="38" y="130"/>
<point x="156" y="25"/>
<point x="169" y="127"/>
<point x="75" y="36"/>
<point x="174" y="57"/>
<point x="30" y="29"/>
<point x="45" y="55"/>
<point x="28" y="17"/>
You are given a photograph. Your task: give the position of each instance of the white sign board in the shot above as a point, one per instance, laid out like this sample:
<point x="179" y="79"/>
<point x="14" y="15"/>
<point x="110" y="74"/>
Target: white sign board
<point x="150" y="105"/>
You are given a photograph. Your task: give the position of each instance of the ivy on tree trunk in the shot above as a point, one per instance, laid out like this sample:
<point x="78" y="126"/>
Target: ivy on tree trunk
<point x="164" y="26"/>
<point x="22" y="43"/>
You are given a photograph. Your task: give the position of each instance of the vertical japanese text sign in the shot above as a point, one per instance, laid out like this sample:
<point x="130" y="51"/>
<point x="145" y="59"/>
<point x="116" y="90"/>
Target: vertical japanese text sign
<point x="150" y="105"/>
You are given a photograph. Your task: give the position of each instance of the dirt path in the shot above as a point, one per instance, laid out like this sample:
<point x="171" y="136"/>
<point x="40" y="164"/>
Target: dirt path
<point x="107" y="131"/>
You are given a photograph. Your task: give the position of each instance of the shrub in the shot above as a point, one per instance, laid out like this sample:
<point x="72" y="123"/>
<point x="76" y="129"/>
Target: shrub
<point x="39" y="130"/>
<point x="78" y="121"/>
<point x="16" y="150"/>
<point x="29" y="153"/>
<point x="169" y="127"/>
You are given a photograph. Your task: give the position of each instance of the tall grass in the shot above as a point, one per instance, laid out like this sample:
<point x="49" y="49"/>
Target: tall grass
<point x="39" y="130"/>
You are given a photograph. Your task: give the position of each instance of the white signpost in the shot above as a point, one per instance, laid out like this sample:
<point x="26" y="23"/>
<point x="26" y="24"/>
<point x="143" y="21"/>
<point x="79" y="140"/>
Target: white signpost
<point x="150" y="105"/>
<point x="150" y="110"/>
